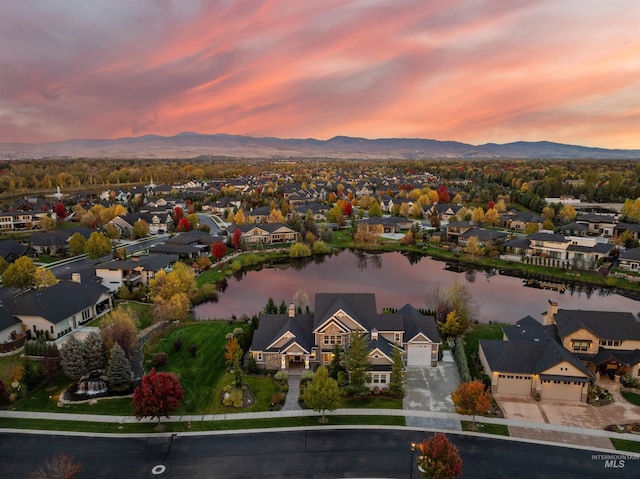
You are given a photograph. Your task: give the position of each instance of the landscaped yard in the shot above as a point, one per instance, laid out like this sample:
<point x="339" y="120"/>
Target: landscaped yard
<point x="471" y="344"/>
<point x="633" y="398"/>
<point x="204" y="375"/>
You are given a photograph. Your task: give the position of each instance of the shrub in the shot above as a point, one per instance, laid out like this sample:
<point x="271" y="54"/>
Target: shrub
<point x="193" y="349"/>
<point x="281" y="376"/>
<point x="177" y="344"/>
<point x="628" y="381"/>
<point x="159" y="359"/>
<point x="237" y="397"/>
<point x="285" y="388"/>
<point x="206" y="292"/>
<point x="279" y="398"/>
<point x="306" y="376"/>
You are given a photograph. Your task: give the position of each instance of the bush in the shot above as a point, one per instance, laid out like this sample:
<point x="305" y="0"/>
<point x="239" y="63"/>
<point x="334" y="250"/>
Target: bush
<point x="177" y="344"/>
<point x="252" y="367"/>
<point x="193" y="349"/>
<point x="279" y="398"/>
<point x="206" y="292"/>
<point x="159" y="359"/>
<point x="306" y="376"/>
<point x="281" y="376"/>
<point x="628" y="381"/>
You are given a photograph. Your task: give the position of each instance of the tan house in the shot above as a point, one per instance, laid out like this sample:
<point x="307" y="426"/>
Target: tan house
<point x="283" y="340"/>
<point x="266" y="233"/>
<point x="137" y="271"/>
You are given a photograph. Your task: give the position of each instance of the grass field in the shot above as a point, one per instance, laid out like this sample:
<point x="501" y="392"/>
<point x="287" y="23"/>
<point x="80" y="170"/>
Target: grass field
<point x="633" y="398"/>
<point x="471" y="343"/>
<point x="199" y="375"/>
<point x="625" y="445"/>
<point x="498" y="429"/>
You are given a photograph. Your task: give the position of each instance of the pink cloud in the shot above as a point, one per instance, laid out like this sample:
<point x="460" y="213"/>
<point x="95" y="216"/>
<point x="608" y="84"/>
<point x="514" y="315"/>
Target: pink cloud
<point x="491" y="72"/>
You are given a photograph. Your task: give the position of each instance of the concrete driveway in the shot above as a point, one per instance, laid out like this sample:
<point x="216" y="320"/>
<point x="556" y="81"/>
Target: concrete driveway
<point x="429" y="389"/>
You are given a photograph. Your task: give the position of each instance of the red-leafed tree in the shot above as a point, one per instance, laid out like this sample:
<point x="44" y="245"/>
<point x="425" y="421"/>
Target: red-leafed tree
<point x="218" y="250"/>
<point x="237" y="238"/>
<point x="184" y="225"/>
<point x="347" y="209"/>
<point x="471" y="398"/>
<point x="60" y="211"/>
<point x="178" y="214"/>
<point x="443" y="194"/>
<point x="490" y="205"/>
<point x="158" y="395"/>
<point x="439" y="459"/>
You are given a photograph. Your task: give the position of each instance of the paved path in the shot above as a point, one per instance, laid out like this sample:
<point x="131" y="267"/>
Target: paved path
<point x="291" y="404"/>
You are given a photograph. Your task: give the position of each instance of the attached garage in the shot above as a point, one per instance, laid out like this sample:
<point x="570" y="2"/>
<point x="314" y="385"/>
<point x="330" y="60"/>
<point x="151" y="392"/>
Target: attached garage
<point x="419" y="355"/>
<point x="562" y="388"/>
<point x="514" y="384"/>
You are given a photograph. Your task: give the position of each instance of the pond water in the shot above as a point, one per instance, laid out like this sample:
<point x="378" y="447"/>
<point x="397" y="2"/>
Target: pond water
<point x="396" y="280"/>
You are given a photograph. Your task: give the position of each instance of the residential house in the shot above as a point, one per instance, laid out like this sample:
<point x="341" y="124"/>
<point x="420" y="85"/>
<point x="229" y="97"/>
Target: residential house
<point x="12" y="333"/>
<point x="18" y="220"/>
<point x="630" y="260"/>
<point x="284" y="340"/>
<point x="137" y="271"/>
<point x="598" y="225"/>
<point x="266" y="233"/>
<point x="633" y="228"/>
<point x="455" y="229"/>
<point x="484" y="236"/>
<point x="56" y="242"/>
<point x="518" y="220"/>
<point x="60" y="308"/>
<point x="11" y="250"/>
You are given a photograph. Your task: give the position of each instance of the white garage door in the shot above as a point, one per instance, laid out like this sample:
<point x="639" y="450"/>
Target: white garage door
<point x="514" y="384"/>
<point x="564" y="390"/>
<point x="419" y="355"/>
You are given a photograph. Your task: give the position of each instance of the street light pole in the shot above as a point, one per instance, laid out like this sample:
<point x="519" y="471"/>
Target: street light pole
<point x="413" y="449"/>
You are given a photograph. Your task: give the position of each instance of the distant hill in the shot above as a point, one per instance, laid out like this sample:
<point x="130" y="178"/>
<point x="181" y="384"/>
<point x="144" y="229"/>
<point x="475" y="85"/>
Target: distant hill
<point x="189" y="145"/>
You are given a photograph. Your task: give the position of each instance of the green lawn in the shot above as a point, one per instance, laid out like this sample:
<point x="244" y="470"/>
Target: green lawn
<point x="142" y="310"/>
<point x="633" y="398"/>
<point x="471" y="343"/>
<point x="372" y="402"/>
<point x="498" y="429"/>
<point x="262" y="387"/>
<point x="626" y="445"/>
<point x="6" y="363"/>
<point x="199" y="375"/>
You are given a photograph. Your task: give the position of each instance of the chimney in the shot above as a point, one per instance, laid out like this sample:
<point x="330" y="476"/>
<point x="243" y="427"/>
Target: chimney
<point x="75" y="277"/>
<point x="292" y="310"/>
<point x="549" y="317"/>
<point x="374" y="334"/>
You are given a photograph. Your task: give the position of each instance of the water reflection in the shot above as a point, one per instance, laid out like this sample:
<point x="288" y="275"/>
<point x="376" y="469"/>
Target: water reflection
<point x="502" y="297"/>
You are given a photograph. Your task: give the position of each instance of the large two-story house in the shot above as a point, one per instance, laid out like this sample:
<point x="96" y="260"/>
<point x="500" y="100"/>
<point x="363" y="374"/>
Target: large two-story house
<point x="558" y="358"/>
<point x="310" y="339"/>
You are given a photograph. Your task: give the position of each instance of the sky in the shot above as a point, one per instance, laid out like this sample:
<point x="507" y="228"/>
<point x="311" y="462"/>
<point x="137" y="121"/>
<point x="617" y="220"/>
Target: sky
<point x="475" y="71"/>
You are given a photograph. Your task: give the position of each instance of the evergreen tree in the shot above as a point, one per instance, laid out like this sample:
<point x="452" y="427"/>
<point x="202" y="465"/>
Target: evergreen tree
<point x="94" y="351"/>
<point x="336" y="363"/>
<point x="398" y="378"/>
<point x="356" y="363"/>
<point x="283" y="308"/>
<point x="270" y="307"/>
<point x="72" y="358"/>
<point x="119" y="369"/>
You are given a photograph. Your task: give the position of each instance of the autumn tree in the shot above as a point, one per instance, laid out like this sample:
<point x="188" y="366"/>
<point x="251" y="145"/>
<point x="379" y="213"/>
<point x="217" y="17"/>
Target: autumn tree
<point x="301" y="300"/>
<point x="375" y="210"/>
<point x="72" y="358"/>
<point x="181" y="279"/>
<point x="177" y="307"/>
<point x="76" y="244"/>
<point x="438" y="458"/>
<point x="233" y="355"/>
<point x="236" y="239"/>
<point x="219" y="249"/>
<point x="568" y="213"/>
<point x="322" y="393"/>
<point x="184" y="225"/>
<point x="4" y="264"/>
<point x="20" y="273"/>
<point x="58" y="467"/>
<point x="356" y="363"/>
<point x="456" y="297"/>
<point x="452" y="326"/>
<point x="43" y="278"/>
<point x="97" y="246"/>
<point x="491" y="216"/>
<point x="398" y="376"/>
<point x="299" y="250"/>
<point x="477" y="215"/>
<point x="531" y="228"/>
<point x="472" y="398"/>
<point x="120" y="326"/>
<point x="140" y="229"/>
<point x="158" y="395"/>
<point x="119" y="372"/>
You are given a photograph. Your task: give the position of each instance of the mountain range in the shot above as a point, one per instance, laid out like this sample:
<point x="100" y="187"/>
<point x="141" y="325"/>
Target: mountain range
<point x="191" y="145"/>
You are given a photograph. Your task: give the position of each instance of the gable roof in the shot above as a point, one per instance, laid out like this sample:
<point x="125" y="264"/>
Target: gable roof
<point x="415" y="322"/>
<point x="274" y="326"/>
<point x="604" y="324"/>
<point x="359" y="306"/>
<point x="58" y="302"/>
<point x="7" y="320"/>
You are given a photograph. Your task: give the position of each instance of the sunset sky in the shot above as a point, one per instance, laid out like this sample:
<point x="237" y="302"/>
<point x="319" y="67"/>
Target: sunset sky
<point x="475" y="71"/>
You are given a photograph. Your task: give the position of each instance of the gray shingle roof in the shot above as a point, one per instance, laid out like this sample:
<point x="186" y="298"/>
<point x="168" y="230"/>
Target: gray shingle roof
<point x="604" y="324"/>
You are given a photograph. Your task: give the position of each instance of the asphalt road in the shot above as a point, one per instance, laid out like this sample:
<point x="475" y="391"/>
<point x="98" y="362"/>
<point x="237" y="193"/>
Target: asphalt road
<point x="301" y="454"/>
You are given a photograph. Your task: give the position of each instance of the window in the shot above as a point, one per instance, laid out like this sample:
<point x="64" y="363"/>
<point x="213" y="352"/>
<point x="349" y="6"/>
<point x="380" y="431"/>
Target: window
<point x="377" y="378"/>
<point x="580" y="345"/>
<point x="327" y="358"/>
<point x="330" y="339"/>
<point x="398" y="337"/>
<point x="258" y="355"/>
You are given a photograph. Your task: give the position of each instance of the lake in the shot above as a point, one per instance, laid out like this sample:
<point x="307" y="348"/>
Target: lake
<point x="396" y="281"/>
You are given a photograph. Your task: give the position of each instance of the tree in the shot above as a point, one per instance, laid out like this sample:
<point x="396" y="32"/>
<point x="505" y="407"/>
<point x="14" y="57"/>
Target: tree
<point x="120" y="326"/>
<point x="299" y="250"/>
<point x="111" y="231"/>
<point x="456" y="297"/>
<point x="322" y="393"/>
<point x="72" y="358"/>
<point x="492" y="216"/>
<point x="439" y="459"/>
<point x="301" y="300"/>
<point x="477" y="215"/>
<point x="375" y="210"/>
<point x="236" y="240"/>
<point x="158" y="395"/>
<point x="452" y="326"/>
<point x="58" y="467"/>
<point x="43" y="278"/>
<point x="192" y="218"/>
<point x="181" y="279"/>
<point x="356" y="362"/>
<point x="175" y="308"/>
<point x="347" y="208"/>
<point x="94" y="351"/>
<point x="398" y="377"/>
<point x="219" y="249"/>
<point x="140" y="229"/>
<point x="270" y="307"/>
<point x="76" y="244"/>
<point x="119" y="369"/>
<point x="471" y="398"/>
<point x="61" y="212"/>
<point x="97" y="246"/>
<point x="20" y="273"/>
<point x="4" y="264"/>
<point x="472" y="247"/>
